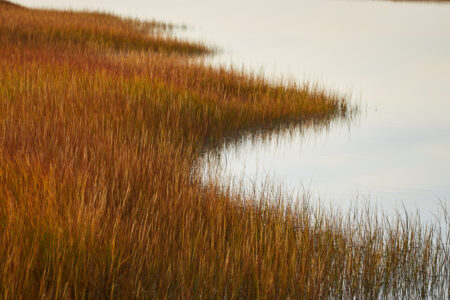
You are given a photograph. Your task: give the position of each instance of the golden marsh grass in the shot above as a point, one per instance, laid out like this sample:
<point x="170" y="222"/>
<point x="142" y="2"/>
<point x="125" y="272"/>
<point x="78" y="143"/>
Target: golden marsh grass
<point x="102" y="120"/>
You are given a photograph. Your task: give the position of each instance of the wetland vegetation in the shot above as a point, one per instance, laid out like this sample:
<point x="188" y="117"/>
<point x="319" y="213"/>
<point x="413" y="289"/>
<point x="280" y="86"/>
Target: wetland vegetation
<point x="102" y="121"/>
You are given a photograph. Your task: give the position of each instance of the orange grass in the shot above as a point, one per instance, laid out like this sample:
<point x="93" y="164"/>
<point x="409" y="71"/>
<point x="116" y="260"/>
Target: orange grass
<point x="102" y="121"/>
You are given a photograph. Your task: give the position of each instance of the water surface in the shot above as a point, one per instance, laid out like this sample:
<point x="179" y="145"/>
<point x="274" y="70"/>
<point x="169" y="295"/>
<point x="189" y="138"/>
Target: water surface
<point x="393" y="57"/>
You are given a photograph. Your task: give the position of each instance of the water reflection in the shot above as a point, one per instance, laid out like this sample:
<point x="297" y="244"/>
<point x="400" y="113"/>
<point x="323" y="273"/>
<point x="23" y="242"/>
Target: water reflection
<point x="393" y="56"/>
<point x="398" y="155"/>
<point x="337" y="170"/>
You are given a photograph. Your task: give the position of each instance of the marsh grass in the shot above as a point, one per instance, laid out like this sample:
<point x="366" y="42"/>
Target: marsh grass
<point x="102" y="121"/>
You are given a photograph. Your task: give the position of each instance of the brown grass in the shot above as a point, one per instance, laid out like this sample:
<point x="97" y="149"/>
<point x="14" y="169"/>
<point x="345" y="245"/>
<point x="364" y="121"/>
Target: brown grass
<point x="102" y="120"/>
<point x="7" y="3"/>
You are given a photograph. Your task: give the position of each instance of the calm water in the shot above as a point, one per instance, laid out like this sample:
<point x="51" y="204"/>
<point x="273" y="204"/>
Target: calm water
<point x="394" y="58"/>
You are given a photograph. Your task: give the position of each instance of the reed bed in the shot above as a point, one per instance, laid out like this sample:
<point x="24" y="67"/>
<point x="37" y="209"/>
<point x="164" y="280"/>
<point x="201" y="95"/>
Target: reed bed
<point x="102" y="121"/>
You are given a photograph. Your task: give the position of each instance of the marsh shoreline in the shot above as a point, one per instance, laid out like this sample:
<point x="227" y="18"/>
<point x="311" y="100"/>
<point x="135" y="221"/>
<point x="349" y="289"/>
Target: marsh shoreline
<point x="100" y="129"/>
